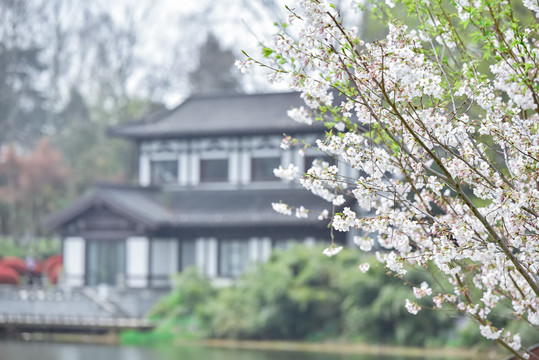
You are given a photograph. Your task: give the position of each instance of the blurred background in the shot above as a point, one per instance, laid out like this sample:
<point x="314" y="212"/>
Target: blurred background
<point x="70" y="70"/>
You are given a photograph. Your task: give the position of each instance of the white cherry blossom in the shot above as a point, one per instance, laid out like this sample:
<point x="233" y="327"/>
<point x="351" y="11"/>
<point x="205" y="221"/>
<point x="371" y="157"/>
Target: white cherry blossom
<point x="443" y="138"/>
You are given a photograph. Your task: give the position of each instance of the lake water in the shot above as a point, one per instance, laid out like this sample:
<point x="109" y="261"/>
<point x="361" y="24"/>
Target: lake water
<point x="18" y="350"/>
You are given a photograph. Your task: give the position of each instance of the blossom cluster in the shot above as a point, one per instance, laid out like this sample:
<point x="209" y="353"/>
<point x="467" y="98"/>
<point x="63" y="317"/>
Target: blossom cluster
<point x="289" y="173"/>
<point x="282" y="208"/>
<point x="412" y="307"/>
<point x="332" y="250"/>
<point x="422" y="291"/>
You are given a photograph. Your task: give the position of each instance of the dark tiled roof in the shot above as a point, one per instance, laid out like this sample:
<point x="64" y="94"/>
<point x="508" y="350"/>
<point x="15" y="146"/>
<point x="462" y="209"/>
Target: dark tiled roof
<point x="220" y="115"/>
<point x="138" y="203"/>
<point x="196" y="208"/>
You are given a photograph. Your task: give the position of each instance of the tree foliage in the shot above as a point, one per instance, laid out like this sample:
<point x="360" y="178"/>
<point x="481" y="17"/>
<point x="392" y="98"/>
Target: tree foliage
<point x="22" y="103"/>
<point x="30" y="186"/>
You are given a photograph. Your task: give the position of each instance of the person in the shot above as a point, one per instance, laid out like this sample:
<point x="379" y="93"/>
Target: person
<point x="30" y="267"/>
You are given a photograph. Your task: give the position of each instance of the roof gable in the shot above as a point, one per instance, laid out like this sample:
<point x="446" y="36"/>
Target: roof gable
<point x="137" y="206"/>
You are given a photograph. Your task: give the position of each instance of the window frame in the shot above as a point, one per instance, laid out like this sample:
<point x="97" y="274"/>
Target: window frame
<point x="156" y="160"/>
<point x="225" y="179"/>
<point x="272" y="177"/>
<point x="229" y="271"/>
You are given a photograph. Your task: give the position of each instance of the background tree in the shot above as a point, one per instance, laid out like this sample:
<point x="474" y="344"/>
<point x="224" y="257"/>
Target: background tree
<point x="71" y="69"/>
<point x="21" y="100"/>
<point x="31" y="185"/>
<point x="215" y="72"/>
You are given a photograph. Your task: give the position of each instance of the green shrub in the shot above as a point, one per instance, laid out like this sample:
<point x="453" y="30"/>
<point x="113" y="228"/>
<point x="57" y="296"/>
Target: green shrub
<point x="178" y="311"/>
<point x="300" y="294"/>
<point x="40" y="248"/>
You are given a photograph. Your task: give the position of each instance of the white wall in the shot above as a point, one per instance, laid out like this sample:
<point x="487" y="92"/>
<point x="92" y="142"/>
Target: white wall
<point x="245" y="167"/>
<point x="259" y="249"/>
<point x="235" y="167"/>
<point x="137" y="250"/>
<point x="164" y="260"/>
<point x="184" y="170"/>
<point x="266" y="249"/>
<point x="200" y="251"/>
<point x="194" y="169"/>
<point x="74" y="255"/>
<point x="206" y="256"/>
<point x="144" y="170"/>
<point x="211" y="266"/>
<point x="253" y="249"/>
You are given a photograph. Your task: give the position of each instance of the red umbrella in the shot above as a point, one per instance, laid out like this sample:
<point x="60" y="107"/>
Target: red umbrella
<point x="53" y="273"/>
<point x="50" y="262"/>
<point x="15" y="263"/>
<point x="8" y="275"/>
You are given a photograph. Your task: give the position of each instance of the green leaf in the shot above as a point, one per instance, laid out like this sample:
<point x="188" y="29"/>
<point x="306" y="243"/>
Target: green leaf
<point x="266" y="51"/>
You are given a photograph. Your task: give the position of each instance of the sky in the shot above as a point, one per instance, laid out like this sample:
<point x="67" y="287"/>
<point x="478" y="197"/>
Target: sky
<point x="238" y="24"/>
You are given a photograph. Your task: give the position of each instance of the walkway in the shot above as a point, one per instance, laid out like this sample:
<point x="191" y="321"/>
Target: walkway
<point x="85" y="310"/>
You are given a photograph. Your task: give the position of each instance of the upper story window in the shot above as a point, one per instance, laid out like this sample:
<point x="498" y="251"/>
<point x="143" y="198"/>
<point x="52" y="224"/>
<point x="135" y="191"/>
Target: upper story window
<point x="262" y="168"/>
<point x="164" y="172"/>
<point x="213" y="170"/>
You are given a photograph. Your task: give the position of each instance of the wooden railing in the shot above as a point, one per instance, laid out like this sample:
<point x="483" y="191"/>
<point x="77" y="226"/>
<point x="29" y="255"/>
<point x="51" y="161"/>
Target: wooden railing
<point x="32" y="322"/>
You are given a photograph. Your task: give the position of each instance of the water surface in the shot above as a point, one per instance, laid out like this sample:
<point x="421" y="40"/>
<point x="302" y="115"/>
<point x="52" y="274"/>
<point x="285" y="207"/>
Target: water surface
<point x="18" y="350"/>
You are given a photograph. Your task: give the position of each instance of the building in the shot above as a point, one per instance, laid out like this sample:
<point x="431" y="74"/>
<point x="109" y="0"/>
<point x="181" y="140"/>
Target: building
<point x="203" y="198"/>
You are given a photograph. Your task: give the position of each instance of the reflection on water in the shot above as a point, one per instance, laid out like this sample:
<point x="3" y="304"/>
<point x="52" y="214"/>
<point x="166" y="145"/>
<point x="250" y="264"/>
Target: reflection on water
<point x="14" y="350"/>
